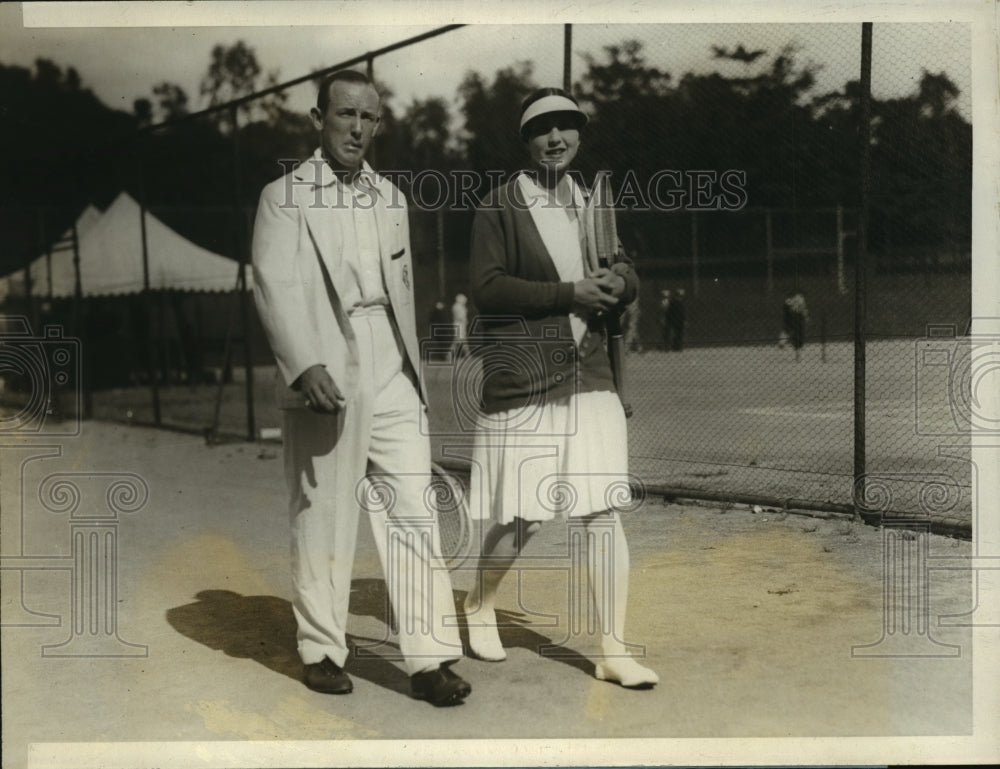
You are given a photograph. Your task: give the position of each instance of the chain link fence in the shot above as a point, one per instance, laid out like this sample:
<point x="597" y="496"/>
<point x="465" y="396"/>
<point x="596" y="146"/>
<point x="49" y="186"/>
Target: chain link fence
<point x="742" y="377"/>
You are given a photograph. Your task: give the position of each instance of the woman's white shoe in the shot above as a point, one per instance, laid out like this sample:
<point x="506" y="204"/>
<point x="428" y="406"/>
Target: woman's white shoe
<point x="627" y="672"/>
<point x="484" y="639"/>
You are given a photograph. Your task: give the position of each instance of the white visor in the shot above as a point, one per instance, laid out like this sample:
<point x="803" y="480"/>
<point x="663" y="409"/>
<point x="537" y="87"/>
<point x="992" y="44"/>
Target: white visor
<point x="553" y="103"/>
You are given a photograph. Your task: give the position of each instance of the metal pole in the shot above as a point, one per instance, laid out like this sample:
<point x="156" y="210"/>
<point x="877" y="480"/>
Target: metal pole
<point x="147" y="341"/>
<point x="29" y="305"/>
<point x="47" y="248"/>
<point x="27" y="292"/>
<point x="694" y="253"/>
<point x="841" y="283"/>
<point x="242" y="255"/>
<point x="312" y="76"/>
<point x="567" y="57"/>
<point x="372" y="157"/>
<point x="440" y="252"/>
<point x="79" y="327"/>
<point x="77" y="282"/>
<point x="860" y="296"/>
<point x="822" y="335"/>
<point x="769" y="237"/>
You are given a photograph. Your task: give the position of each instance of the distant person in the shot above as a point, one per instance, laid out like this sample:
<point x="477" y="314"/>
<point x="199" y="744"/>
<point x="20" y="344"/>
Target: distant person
<point x="794" y="316"/>
<point x="440" y="322"/>
<point x="676" y="320"/>
<point x="333" y="281"/>
<point x="460" y="322"/>
<point x="665" y="317"/>
<point x="800" y="317"/>
<point x="442" y="332"/>
<point x="785" y="337"/>
<point x="630" y="323"/>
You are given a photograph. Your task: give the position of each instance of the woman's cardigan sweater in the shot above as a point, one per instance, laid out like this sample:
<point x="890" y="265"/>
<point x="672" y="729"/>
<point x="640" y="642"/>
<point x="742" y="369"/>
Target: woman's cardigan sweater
<point x="523" y="333"/>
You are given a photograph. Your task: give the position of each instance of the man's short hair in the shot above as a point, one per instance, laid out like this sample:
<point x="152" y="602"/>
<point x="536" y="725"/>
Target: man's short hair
<point x="340" y="76"/>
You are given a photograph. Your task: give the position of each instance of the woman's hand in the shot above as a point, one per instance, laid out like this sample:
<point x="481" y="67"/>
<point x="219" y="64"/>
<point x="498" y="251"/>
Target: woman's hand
<point x="610" y="281"/>
<point x="593" y="295"/>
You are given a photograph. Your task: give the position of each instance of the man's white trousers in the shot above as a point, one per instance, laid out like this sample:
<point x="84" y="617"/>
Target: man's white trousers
<point x="371" y="459"/>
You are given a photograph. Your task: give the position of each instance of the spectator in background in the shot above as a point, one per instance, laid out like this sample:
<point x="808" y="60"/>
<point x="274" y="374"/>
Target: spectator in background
<point x="676" y="319"/>
<point x="665" y="317"/>
<point x="785" y="337"/>
<point x="440" y="322"/>
<point x="794" y="316"/>
<point x="799" y="316"/>
<point x="630" y="322"/>
<point x="460" y="320"/>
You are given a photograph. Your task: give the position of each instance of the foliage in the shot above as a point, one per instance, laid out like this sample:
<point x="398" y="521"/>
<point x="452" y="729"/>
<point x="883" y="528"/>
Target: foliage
<point x="798" y="148"/>
<point x="234" y="73"/>
<point x="61" y="145"/>
<point x="490" y="111"/>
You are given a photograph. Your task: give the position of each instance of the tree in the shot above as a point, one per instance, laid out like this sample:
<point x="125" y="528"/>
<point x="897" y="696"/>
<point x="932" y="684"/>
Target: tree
<point x="427" y="133"/>
<point x="172" y="100"/>
<point x="922" y="168"/>
<point x="489" y="138"/>
<point x="62" y="148"/>
<point x="143" y="111"/>
<point x="233" y="73"/>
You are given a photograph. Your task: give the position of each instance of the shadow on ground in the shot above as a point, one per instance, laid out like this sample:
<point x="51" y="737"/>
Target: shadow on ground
<point x="262" y="628"/>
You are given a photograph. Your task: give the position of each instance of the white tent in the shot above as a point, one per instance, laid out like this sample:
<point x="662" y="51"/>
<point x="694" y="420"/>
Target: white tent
<point x="111" y="258"/>
<point x="40" y="269"/>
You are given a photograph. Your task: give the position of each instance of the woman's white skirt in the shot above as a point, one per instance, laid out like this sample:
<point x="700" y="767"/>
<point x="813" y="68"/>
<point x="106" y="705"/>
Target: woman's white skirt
<point x="569" y="457"/>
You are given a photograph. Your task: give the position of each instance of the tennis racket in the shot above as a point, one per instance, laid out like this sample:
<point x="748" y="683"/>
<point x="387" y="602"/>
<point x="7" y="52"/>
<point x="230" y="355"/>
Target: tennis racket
<point x="606" y="245"/>
<point x="449" y="498"/>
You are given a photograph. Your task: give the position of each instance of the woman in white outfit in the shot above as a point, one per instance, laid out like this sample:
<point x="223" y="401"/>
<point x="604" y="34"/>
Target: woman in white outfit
<point x="552" y="438"/>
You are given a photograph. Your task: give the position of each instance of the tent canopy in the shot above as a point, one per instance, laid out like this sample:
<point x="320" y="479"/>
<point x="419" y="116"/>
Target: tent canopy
<point x="111" y="261"/>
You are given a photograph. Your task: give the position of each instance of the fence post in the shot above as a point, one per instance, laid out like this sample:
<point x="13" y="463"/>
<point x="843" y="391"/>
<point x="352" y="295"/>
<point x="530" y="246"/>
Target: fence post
<point x="48" y="253"/>
<point x="841" y="283"/>
<point x="44" y="246"/>
<point x="860" y="287"/>
<point x="694" y="253"/>
<point x="822" y="335"/>
<point x="567" y="57"/>
<point x="769" y="250"/>
<point x="80" y="328"/>
<point x="28" y="304"/>
<point x="147" y="342"/>
<point x="439" y="216"/>
<point x="241" y="251"/>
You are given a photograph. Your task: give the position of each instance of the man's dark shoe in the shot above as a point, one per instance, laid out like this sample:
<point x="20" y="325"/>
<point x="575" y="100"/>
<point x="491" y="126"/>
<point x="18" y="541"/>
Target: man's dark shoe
<point x="440" y="687"/>
<point x="328" y="678"/>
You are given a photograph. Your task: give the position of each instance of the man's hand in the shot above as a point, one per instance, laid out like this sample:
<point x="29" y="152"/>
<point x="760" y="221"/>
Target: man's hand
<point x="321" y="394"/>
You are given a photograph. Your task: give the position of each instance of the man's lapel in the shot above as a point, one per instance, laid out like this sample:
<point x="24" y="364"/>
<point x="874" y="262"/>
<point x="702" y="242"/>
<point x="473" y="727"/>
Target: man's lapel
<point x="385" y="226"/>
<point x="317" y="195"/>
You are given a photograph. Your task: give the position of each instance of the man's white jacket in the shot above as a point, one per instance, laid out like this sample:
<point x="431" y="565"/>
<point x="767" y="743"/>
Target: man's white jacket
<point x="296" y="250"/>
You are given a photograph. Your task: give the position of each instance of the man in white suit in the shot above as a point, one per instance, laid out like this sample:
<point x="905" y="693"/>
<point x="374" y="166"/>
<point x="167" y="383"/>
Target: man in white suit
<point x="333" y="285"/>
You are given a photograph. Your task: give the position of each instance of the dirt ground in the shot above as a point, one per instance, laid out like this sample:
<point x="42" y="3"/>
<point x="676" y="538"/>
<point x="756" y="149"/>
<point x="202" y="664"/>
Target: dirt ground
<point x="760" y="623"/>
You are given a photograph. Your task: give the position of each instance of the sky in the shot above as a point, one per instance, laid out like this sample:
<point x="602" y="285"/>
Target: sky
<point x="122" y="64"/>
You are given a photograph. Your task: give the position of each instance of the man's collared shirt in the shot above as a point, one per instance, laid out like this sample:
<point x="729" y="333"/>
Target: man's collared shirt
<point x="351" y="207"/>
